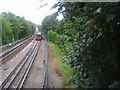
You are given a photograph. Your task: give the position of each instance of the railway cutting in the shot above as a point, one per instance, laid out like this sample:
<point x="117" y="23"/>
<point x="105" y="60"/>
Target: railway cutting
<point x="19" y="63"/>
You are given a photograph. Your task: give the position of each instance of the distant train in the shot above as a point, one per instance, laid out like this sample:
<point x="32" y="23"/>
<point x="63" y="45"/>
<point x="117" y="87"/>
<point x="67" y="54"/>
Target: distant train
<point x="38" y="36"/>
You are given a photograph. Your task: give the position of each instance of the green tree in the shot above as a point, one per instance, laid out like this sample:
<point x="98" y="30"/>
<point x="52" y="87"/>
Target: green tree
<point x="7" y="35"/>
<point x="52" y="36"/>
<point x="95" y="36"/>
<point x="49" y="23"/>
<point x="60" y="29"/>
<point x="15" y="27"/>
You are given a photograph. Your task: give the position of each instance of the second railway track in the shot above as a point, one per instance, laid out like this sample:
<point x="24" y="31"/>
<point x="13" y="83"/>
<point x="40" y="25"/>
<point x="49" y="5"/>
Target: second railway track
<point x="20" y="72"/>
<point x="9" y="54"/>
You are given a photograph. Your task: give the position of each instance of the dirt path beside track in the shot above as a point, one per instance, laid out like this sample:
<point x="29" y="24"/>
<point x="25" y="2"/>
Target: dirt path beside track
<point x="55" y="74"/>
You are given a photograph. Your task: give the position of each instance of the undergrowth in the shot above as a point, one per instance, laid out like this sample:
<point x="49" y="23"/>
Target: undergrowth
<point x="68" y="71"/>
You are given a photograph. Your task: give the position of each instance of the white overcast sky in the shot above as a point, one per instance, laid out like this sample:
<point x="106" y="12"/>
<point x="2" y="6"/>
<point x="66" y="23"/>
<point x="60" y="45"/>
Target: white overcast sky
<point x="28" y="8"/>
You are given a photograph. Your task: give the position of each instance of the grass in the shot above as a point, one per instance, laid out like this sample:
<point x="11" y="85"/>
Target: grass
<point x="65" y="70"/>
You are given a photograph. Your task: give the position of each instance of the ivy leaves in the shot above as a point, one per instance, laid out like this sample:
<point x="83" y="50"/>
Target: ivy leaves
<point x="93" y="31"/>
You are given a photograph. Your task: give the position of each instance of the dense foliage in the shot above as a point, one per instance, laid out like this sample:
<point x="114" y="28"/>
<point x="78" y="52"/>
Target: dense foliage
<point x="15" y="27"/>
<point x="49" y="23"/>
<point x="52" y="36"/>
<point x="92" y="46"/>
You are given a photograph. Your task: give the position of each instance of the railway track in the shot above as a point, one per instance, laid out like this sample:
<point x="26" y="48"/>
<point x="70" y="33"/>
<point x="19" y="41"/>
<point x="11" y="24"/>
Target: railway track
<point x="9" y="54"/>
<point x="17" y="77"/>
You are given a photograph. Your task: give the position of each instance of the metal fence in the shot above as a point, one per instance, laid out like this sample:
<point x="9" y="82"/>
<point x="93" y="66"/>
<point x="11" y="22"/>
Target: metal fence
<point x="13" y="43"/>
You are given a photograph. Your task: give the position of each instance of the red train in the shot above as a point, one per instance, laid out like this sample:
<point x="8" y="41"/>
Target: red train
<point x="38" y="37"/>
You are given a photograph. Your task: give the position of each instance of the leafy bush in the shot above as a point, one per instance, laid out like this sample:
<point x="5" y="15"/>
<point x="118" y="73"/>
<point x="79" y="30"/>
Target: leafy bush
<point x="94" y="48"/>
<point x="52" y="36"/>
<point x="116" y="84"/>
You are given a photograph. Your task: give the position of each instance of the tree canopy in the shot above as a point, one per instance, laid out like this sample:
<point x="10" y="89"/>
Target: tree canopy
<point x="94" y="36"/>
<point x="15" y="27"/>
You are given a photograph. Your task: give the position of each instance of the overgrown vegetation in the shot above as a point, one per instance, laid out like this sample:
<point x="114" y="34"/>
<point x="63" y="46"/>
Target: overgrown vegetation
<point x="92" y="43"/>
<point x="65" y="70"/>
<point x="52" y="36"/>
<point x="15" y="27"/>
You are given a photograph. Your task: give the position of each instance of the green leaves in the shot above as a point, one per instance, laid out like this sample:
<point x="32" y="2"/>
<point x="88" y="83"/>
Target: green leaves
<point x="49" y="23"/>
<point x="15" y="27"/>
<point x="90" y="35"/>
<point x="6" y="31"/>
<point x="99" y="10"/>
<point x="52" y="36"/>
<point x="93" y="49"/>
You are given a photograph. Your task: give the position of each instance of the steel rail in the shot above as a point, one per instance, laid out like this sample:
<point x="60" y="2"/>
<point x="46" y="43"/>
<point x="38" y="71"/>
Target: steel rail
<point x="14" y="51"/>
<point x="24" y="71"/>
<point x="14" y="73"/>
<point x="13" y="43"/>
<point x="45" y="85"/>
<point x="20" y="85"/>
<point x="4" y="54"/>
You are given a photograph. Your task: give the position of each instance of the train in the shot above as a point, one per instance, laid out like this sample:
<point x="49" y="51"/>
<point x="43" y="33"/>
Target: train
<point x="39" y="36"/>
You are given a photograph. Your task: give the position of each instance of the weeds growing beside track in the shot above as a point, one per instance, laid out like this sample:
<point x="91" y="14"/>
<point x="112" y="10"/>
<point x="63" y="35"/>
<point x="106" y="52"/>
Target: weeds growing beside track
<point x="61" y="67"/>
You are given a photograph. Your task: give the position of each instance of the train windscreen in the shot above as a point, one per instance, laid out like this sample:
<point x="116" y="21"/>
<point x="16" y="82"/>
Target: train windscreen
<point x="38" y="35"/>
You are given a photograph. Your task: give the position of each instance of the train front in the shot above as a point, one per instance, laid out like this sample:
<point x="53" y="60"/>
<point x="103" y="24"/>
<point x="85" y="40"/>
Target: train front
<point x="39" y="36"/>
